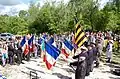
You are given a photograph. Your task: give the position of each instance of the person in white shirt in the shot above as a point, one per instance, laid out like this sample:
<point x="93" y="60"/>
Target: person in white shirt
<point x="109" y="50"/>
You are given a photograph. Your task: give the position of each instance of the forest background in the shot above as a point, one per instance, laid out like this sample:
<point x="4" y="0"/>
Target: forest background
<point x="59" y="17"/>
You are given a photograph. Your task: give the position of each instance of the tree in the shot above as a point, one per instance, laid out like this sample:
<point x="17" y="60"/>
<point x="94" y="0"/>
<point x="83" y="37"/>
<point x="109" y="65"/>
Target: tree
<point x="23" y="13"/>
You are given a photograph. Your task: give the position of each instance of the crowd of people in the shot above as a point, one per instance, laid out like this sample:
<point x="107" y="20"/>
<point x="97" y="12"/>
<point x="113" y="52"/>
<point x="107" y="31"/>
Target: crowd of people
<point x="88" y="54"/>
<point x="91" y="52"/>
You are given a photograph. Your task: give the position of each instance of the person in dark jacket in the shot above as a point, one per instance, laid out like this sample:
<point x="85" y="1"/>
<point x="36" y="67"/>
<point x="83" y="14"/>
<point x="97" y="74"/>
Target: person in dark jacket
<point x="95" y="54"/>
<point x="11" y="53"/>
<point x="19" y="52"/>
<point x="81" y="64"/>
<point x="90" y="60"/>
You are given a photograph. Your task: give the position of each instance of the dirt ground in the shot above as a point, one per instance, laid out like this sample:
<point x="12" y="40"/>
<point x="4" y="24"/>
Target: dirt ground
<point x="60" y="71"/>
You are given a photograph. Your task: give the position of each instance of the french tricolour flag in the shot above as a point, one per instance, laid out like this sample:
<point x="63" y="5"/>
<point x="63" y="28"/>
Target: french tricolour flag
<point x="31" y="43"/>
<point x="51" y="55"/>
<point x="24" y="45"/>
<point x="41" y="39"/>
<point x="23" y="41"/>
<point x="53" y="44"/>
<point x="66" y="48"/>
<point x="51" y="40"/>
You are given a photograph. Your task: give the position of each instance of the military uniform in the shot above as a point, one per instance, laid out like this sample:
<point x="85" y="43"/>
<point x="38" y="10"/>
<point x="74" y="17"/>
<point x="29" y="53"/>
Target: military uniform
<point x="81" y="64"/>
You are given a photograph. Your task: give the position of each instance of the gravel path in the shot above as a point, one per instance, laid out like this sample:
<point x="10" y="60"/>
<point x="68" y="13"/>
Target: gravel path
<point x="60" y="71"/>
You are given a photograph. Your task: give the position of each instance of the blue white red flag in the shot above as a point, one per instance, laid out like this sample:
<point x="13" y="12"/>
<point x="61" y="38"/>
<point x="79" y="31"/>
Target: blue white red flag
<point x="51" y="40"/>
<point x="66" y="48"/>
<point x="51" y="55"/>
<point x="53" y="44"/>
<point x="31" y="43"/>
<point x="24" y="45"/>
<point x="23" y="41"/>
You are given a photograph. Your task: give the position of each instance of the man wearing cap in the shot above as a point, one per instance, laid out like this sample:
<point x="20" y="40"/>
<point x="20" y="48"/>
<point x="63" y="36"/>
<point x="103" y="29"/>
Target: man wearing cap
<point x="81" y="64"/>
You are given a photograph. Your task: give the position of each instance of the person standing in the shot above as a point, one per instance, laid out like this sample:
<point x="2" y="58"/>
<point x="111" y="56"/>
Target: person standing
<point x="19" y="52"/>
<point x="90" y="60"/>
<point x="3" y="54"/>
<point x="27" y="49"/>
<point x="35" y="50"/>
<point x="81" y="64"/>
<point x="43" y="50"/>
<point x="95" y="55"/>
<point x="99" y="48"/>
<point x="11" y="53"/>
<point x="109" y="50"/>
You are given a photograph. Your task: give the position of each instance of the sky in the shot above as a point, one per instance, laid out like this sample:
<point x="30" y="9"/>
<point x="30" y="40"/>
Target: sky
<point x="12" y="7"/>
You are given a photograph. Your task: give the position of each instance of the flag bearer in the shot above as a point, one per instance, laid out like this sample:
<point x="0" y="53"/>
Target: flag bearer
<point x="27" y="48"/>
<point x="81" y="64"/>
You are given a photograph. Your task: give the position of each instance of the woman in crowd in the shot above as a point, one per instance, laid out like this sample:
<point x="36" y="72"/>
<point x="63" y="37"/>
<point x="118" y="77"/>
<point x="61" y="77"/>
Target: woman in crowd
<point x="4" y="53"/>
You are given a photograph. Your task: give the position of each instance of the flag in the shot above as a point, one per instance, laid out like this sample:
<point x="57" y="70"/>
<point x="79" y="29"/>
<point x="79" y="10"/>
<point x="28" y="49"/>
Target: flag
<point x="52" y="43"/>
<point x="23" y="44"/>
<point x="51" y="55"/>
<point x="30" y="40"/>
<point x="23" y="41"/>
<point x="68" y="45"/>
<point x="41" y="39"/>
<point x="66" y="48"/>
<point x="45" y="36"/>
<point x="31" y="43"/>
<point x="80" y="36"/>
<point x="1" y="77"/>
<point x="26" y="48"/>
<point x="51" y="40"/>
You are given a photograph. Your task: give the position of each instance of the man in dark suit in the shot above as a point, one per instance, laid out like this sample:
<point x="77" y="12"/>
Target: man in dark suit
<point x="18" y="52"/>
<point x="81" y="64"/>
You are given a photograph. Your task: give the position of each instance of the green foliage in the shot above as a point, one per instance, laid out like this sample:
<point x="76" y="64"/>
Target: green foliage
<point x="112" y="9"/>
<point x="60" y="17"/>
<point x="12" y="24"/>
